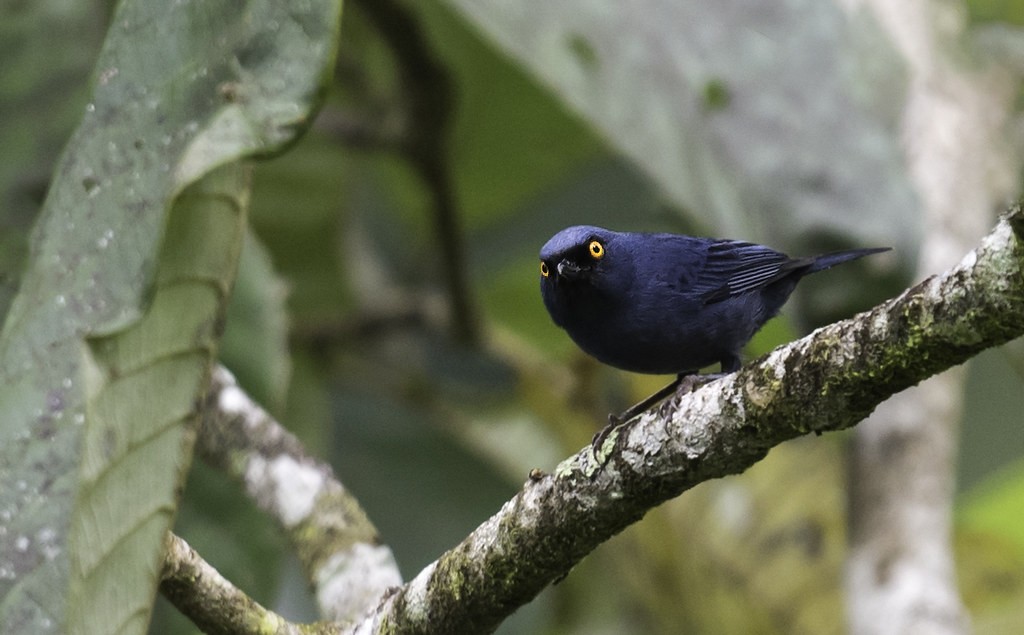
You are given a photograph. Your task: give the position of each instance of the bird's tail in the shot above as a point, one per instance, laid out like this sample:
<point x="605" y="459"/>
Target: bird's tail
<point x="825" y="261"/>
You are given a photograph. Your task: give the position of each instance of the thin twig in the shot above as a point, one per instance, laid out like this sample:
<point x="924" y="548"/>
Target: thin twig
<point x="215" y="605"/>
<point x="430" y="99"/>
<point x="336" y="543"/>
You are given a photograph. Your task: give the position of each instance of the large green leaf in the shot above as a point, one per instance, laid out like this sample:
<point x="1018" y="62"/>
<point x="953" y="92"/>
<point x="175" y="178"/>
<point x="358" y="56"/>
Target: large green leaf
<point x="786" y="116"/>
<point x="42" y="92"/>
<point x="141" y="387"/>
<point x="105" y="347"/>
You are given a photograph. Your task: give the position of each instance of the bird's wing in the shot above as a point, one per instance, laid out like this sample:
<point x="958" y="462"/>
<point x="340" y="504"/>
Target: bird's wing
<point x="733" y="267"/>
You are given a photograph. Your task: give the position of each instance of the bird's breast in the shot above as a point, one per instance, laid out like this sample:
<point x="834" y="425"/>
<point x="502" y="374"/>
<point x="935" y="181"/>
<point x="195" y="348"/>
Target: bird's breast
<point x="662" y="334"/>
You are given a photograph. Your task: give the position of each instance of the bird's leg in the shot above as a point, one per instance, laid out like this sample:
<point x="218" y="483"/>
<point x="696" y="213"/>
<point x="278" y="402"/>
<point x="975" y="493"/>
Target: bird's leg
<point x="615" y="421"/>
<point x="689" y="383"/>
<point x="635" y="409"/>
<point x="683" y="383"/>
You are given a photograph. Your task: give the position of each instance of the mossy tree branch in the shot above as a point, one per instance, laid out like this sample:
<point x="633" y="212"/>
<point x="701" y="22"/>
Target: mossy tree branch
<point x="829" y="380"/>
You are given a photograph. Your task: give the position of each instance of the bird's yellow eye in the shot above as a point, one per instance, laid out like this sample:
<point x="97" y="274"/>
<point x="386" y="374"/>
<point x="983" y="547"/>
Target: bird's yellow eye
<point x="544" y="271"/>
<point x="596" y="250"/>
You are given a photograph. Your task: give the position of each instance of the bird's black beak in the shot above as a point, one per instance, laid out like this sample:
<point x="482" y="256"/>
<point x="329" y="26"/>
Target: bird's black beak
<point x="569" y="270"/>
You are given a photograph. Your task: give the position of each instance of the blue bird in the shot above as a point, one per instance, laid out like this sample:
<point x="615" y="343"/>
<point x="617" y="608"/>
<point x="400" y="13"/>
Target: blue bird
<point x="667" y="303"/>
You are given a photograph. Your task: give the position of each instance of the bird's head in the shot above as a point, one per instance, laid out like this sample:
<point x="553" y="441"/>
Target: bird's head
<point x="579" y="265"/>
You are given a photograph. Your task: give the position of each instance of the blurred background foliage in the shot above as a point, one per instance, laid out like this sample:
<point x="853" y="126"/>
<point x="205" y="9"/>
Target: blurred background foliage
<point x="387" y="307"/>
